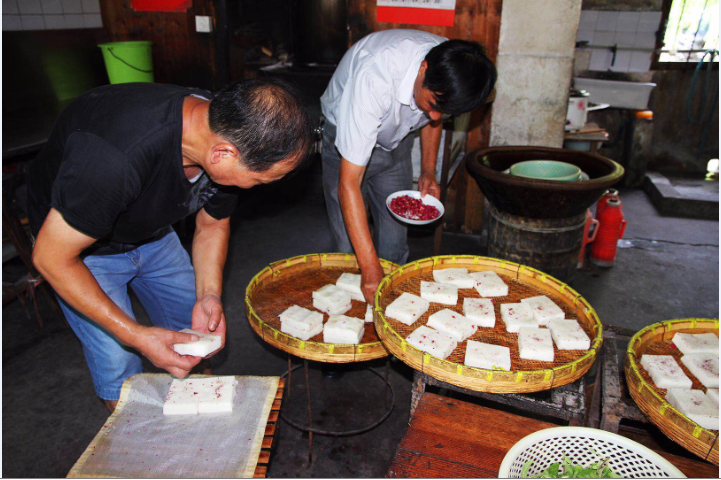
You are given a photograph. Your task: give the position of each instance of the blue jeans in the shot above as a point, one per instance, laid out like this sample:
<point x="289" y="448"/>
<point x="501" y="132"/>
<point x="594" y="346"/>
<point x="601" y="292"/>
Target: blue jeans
<point x="386" y="173"/>
<point x="161" y="275"/>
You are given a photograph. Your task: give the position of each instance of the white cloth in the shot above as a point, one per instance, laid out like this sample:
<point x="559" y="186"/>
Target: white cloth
<point x="370" y="97"/>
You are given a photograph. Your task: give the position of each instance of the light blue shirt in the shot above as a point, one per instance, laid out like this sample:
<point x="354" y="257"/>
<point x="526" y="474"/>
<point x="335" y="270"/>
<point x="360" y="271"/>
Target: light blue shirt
<point x="370" y="97"/>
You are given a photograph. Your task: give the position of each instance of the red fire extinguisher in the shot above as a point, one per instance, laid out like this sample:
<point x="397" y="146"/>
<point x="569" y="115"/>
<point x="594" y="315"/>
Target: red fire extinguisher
<point x="608" y="195"/>
<point x="611" y="228"/>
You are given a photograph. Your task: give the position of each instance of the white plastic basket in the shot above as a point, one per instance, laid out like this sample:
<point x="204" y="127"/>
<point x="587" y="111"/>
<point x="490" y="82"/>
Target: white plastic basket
<point x="584" y="446"/>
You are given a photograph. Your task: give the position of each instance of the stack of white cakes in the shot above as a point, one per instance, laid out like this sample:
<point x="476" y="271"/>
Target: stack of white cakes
<point x="300" y="322"/>
<point x="343" y="330"/>
<point x="701" y="358"/>
<point x="200" y="395"/>
<point x="453" y="324"/>
<point x="332" y="300"/>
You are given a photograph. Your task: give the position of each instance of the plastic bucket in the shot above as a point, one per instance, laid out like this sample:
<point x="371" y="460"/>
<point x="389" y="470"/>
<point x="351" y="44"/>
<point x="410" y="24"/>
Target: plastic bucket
<point x="128" y="61"/>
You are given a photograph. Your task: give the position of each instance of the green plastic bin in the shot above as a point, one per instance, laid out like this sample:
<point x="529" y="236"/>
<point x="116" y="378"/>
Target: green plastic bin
<point x="128" y="61"/>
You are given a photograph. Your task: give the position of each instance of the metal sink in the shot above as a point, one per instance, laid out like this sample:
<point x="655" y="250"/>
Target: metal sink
<point x="632" y="95"/>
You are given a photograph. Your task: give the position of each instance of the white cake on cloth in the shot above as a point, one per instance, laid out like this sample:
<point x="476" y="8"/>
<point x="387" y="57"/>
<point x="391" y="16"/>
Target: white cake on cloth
<point x="407" y="308"/>
<point x="665" y="372"/>
<point x="486" y="355"/>
<point x="457" y="277"/>
<point x="351" y="283"/>
<point x="479" y="311"/>
<point x="206" y="344"/>
<point x="332" y="300"/>
<point x="200" y="395"/>
<point x="301" y="323"/>
<point x="695" y="405"/>
<point x="569" y="335"/>
<point x="439" y="293"/>
<point x="432" y="341"/>
<point x="489" y="284"/>
<point x="696" y="343"/>
<point x="453" y="324"/>
<point x="544" y="310"/>
<point x="535" y="344"/>
<point x="517" y="315"/>
<point x="712" y="394"/>
<point x="703" y="366"/>
<point x="343" y="330"/>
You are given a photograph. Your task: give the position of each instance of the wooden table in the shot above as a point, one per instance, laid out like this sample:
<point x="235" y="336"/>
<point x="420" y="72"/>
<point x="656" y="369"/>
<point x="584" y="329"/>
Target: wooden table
<point x="451" y="438"/>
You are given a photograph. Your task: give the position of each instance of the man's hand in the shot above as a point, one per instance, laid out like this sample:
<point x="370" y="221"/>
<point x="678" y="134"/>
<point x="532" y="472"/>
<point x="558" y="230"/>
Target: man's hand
<point x="157" y="345"/>
<point x="208" y="317"/>
<point x="427" y="184"/>
<point x="370" y="278"/>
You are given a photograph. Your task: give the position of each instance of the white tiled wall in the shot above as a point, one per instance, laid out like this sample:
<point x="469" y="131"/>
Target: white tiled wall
<point x="51" y="14"/>
<point x="625" y="29"/>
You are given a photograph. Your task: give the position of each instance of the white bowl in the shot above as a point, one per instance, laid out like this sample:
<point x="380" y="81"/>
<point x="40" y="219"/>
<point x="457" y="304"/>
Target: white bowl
<point x="584" y="446"/>
<point x="428" y="200"/>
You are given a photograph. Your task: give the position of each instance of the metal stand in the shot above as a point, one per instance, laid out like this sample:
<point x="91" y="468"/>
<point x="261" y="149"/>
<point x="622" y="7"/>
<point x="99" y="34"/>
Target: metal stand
<point x="567" y="402"/>
<point x="344" y="433"/>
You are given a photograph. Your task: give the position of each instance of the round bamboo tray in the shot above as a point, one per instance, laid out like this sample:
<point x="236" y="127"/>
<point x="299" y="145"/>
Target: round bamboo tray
<point x="523" y="282"/>
<point x="291" y="282"/>
<point x="656" y="340"/>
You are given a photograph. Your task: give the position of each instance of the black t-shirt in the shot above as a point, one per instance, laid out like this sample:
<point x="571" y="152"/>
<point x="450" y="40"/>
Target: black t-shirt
<point x="113" y="168"/>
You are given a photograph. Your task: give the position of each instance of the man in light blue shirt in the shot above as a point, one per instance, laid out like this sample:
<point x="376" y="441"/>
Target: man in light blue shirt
<point x="389" y="85"/>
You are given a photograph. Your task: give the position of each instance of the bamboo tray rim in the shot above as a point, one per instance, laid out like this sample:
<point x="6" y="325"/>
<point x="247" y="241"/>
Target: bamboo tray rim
<point x="643" y="385"/>
<point x="322" y="348"/>
<point x="490" y="375"/>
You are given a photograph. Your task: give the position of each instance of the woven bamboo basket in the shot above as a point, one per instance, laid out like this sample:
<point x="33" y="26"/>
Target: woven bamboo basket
<point x="656" y="340"/>
<point x="523" y="282"/>
<point x="291" y="282"/>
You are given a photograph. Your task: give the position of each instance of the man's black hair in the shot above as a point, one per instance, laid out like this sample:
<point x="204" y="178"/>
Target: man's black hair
<point x="460" y="74"/>
<point x="265" y="119"/>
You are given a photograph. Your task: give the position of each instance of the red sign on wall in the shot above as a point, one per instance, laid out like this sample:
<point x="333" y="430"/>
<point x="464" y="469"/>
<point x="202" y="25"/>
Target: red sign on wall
<point x="161" y="5"/>
<point x="418" y="12"/>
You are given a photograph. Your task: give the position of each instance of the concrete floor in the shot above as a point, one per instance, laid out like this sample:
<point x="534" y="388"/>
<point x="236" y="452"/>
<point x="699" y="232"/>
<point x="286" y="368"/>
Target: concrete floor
<point x="669" y="270"/>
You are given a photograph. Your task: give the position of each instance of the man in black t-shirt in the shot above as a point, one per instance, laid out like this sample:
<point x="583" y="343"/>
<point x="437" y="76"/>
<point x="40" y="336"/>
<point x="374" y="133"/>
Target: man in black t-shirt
<point x="125" y="162"/>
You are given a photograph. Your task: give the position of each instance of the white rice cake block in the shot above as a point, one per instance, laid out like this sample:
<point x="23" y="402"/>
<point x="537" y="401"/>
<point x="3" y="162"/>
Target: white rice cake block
<point x="517" y="315"/>
<point x="369" y="314"/>
<point x="351" y="283"/>
<point x="486" y="355"/>
<point x="489" y="284"/>
<point x="432" y="341"/>
<point x="665" y="372"/>
<point x="205" y="345"/>
<point x="454" y="276"/>
<point x="343" y="330"/>
<point x="695" y="405"/>
<point x="703" y="366"/>
<point x="535" y="344"/>
<point x="544" y="310"/>
<point x="453" y="324"/>
<point x="439" y="293"/>
<point x="304" y="327"/>
<point x="569" y="335"/>
<point x="332" y="300"/>
<point x="407" y="308"/>
<point x="712" y="394"/>
<point x="216" y="394"/>
<point x="479" y="311"/>
<point x="689" y="343"/>
<point x="294" y="313"/>
<point x="181" y="398"/>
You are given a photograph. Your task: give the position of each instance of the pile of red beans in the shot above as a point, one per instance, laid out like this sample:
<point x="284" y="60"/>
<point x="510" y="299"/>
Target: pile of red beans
<point x="413" y="208"/>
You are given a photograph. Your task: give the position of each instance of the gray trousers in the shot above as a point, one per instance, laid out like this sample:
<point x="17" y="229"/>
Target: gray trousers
<point x="386" y="173"/>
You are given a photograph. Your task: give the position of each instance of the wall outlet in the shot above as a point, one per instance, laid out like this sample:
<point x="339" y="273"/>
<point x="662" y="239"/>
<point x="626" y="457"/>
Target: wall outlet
<point x="202" y="24"/>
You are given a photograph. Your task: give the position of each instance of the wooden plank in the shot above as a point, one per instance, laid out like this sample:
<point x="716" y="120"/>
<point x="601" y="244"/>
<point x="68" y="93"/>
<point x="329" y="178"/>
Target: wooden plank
<point x="260" y="471"/>
<point x="270" y="429"/>
<point x="273" y="417"/>
<point x="412" y="465"/>
<point x="264" y="457"/>
<point x="276" y="405"/>
<point x="692" y="468"/>
<point x="267" y="442"/>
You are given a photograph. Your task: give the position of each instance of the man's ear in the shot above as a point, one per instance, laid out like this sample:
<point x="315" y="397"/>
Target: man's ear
<point x="423" y="67"/>
<point x="221" y="151"/>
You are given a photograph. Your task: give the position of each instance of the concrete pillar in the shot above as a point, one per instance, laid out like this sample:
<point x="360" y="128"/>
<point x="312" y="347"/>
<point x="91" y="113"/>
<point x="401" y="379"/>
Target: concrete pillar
<point x="535" y="66"/>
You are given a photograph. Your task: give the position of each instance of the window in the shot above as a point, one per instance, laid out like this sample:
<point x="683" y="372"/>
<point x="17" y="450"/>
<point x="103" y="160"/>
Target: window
<point x="692" y="28"/>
